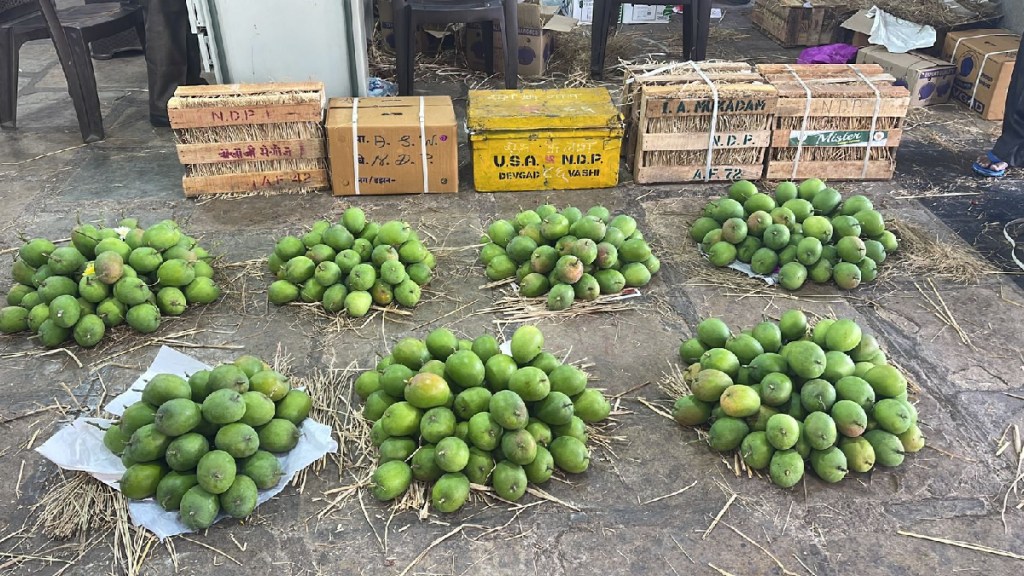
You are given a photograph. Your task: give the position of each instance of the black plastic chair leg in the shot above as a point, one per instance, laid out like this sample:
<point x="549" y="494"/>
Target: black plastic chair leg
<point x="403" y="48"/>
<point x="510" y="28"/>
<point x="487" y="38"/>
<point x="8" y="81"/>
<point x="84" y="95"/>
<point x="689" y="29"/>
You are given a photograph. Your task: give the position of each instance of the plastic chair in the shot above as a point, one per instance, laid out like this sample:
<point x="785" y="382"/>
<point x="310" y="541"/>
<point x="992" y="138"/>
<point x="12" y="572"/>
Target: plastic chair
<point x="71" y="29"/>
<point x="696" y="25"/>
<point x="409" y="14"/>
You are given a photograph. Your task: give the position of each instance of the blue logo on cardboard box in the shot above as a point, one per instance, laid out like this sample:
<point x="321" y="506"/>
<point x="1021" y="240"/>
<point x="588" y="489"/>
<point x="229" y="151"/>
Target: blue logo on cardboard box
<point x="967" y="66"/>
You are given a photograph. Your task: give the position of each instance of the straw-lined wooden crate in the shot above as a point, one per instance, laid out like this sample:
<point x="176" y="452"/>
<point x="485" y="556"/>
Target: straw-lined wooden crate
<point x="835" y="121"/>
<point x="238" y="138"/>
<point x="795" y="23"/>
<point x="670" y="111"/>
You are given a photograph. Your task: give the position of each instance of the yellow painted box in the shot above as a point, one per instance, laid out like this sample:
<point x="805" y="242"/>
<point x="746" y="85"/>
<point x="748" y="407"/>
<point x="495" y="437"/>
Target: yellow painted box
<point x="544" y="139"/>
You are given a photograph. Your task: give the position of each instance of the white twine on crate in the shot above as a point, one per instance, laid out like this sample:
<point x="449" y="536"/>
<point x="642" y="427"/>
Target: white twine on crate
<point x="977" y="81"/>
<point x="355" y="143"/>
<point x="874" y="119"/>
<point x="423" y="149"/>
<point x="714" y="118"/>
<point x="803" y="124"/>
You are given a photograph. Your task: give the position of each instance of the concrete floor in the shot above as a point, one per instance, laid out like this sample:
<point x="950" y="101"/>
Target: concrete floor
<point x="953" y="489"/>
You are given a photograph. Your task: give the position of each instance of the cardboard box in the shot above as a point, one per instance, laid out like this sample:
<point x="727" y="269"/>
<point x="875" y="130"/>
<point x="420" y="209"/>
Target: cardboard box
<point x="563" y="139"/>
<point x="536" y="41"/>
<point x="428" y="40"/>
<point x="583" y="10"/>
<point x="984" y="63"/>
<point x="389" y="155"/>
<point x="929" y="79"/>
<point x="644" y="14"/>
<point x="859" y="26"/>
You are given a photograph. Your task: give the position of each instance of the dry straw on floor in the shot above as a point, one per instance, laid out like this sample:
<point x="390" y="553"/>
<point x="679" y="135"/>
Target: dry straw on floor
<point x="929" y="12"/>
<point x="923" y="253"/>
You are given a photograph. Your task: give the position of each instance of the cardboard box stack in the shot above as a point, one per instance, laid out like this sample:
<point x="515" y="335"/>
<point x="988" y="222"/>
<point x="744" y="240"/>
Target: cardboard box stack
<point x="835" y="121"/>
<point x="984" y="62"/>
<point x="536" y="40"/>
<point x="544" y="139"/>
<point x="404" y="145"/>
<point x="929" y="79"/>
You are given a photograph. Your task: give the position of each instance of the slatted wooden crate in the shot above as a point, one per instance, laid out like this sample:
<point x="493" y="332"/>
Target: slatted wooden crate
<point x="835" y="121"/>
<point x="239" y="138"/>
<point x="794" y="23"/>
<point x="670" y="111"/>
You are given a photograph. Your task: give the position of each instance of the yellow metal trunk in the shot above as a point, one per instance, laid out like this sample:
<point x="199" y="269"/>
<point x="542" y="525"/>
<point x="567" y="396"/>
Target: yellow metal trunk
<point x="544" y="139"/>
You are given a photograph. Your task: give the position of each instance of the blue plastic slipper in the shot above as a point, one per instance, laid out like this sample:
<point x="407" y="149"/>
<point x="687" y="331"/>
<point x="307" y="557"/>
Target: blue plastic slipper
<point x="987" y="170"/>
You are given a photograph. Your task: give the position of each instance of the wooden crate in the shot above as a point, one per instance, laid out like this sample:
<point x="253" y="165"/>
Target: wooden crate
<point x="828" y="133"/>
<point x="790" y="23"/>
<point x="669" y="112"/>
<point x="238" y="138"/>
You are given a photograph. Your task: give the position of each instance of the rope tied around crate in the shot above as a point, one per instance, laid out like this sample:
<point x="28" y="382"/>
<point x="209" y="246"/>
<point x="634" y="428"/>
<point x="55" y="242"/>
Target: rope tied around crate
<point x="355" y="143"/>
<point x="714" y="118"/>
<point x="423" y="149"/>
<point x="977" y="81"/>
<point x="874" y="118"/>
<point x="803" y="124"/>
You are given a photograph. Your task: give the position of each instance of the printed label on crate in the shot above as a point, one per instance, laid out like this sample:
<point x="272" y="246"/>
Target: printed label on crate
<point x="853" y="138"/>
<point x="722" y="173"/>
<point x="684" y="106"/>
<point x="545" y="163"/>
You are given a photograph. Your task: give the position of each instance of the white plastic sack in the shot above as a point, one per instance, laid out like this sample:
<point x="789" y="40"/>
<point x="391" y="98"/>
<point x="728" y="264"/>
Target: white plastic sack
<point x="79" y="446"/>
<point x="897" y="35"/>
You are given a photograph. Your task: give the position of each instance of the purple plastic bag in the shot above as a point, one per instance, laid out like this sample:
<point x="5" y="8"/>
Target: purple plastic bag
<point x="828" y="54"/>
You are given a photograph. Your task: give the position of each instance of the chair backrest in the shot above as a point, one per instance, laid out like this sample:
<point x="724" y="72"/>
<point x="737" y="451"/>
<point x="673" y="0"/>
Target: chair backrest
<point x="11" y="9"/>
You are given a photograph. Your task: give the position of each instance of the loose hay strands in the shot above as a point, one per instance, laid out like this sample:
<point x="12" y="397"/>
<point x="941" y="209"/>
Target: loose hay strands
<point x="943" y="313"/>
<point x="962" y="544"/>
<point x="81" y="506"/>
<point x="514" y="308"/>
<point x="929" y="12"/>
<point x="924" y="253"/>
<point x="762" y="549"/>
<point x="660" y="498"/>
<point x="571" y="60"/>
<point x="674" y="382"/>
<point x="332" y="404"/>
<point x="718" y="517"/>
<point x="1018" y="474"/>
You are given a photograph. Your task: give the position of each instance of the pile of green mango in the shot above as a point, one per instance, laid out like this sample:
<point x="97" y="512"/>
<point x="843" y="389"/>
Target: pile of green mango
<point x="568" y="255"/>
<point x="806" y="232"/>
<point x="785" y="393"/>
<point x="106" y="277"/>
<point x="351" y="265"/>
<point x="206" y="444"/>
<point x="454" y="412"/>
